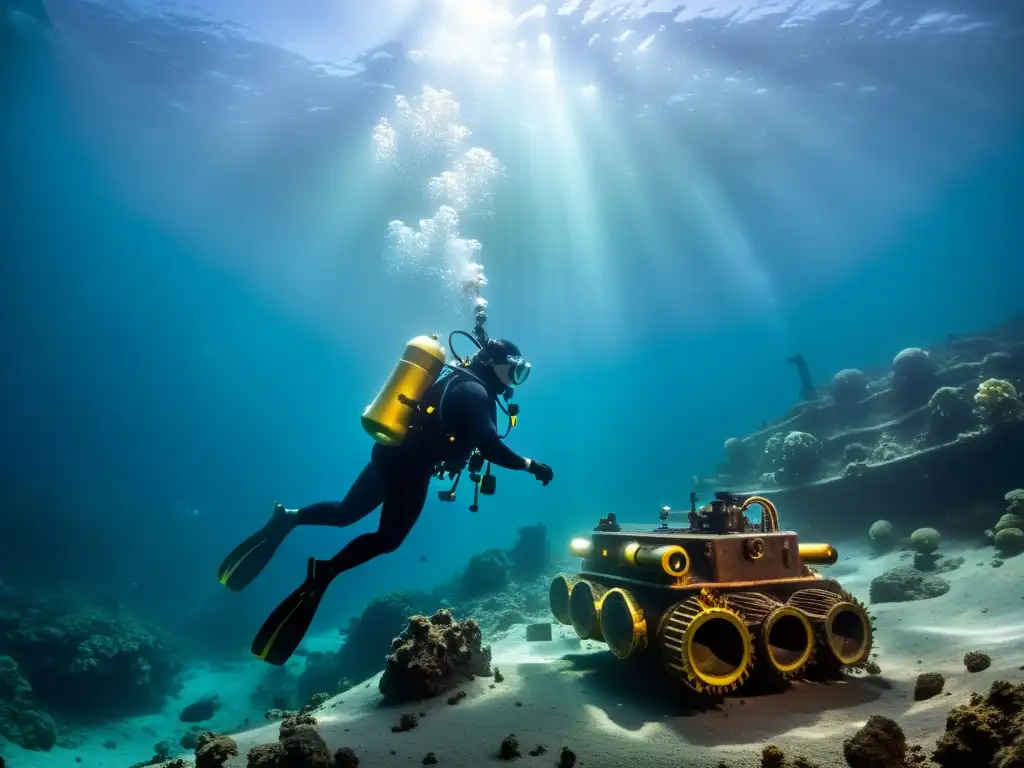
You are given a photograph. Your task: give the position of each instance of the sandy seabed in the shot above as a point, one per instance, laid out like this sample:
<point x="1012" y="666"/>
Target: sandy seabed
<point x="568" y="693"/>
<point x="564" y="693"/>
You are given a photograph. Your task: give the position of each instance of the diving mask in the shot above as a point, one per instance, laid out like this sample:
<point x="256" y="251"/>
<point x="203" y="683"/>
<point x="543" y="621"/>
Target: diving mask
<point x="513" y="371"/>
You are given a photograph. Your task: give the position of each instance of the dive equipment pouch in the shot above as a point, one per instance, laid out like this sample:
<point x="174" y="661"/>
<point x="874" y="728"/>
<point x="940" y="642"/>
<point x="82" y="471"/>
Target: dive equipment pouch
<point x="388" y="418"/>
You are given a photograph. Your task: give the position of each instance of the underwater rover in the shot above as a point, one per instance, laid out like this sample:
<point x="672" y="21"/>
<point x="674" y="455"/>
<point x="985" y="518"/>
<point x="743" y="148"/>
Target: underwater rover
<point x="718" y="600"/>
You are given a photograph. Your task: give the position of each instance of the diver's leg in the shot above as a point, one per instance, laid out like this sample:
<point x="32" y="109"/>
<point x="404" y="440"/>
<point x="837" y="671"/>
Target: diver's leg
<point x="249" y="558"/>
<point x="366" y="494"/>
<point x="403" y="503"/>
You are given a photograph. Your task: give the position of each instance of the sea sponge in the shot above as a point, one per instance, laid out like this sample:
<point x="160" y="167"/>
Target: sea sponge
<point x="925" y="540"/>
<point x="1009" y="541"/>
<point x="998" y="399"/>
<point x="849" y="386"/>
<point x="881" y="535"/>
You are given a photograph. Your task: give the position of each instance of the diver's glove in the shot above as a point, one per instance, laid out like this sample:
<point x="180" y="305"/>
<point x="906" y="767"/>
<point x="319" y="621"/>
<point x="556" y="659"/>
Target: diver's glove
<point x="541" y="471"/>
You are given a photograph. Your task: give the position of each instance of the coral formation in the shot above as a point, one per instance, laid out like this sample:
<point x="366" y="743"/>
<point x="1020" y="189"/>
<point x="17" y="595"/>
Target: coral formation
<point x="949" y="414"/>
<point x="302" y="745"/>
<point x="912" y="376"/>
<point x="366" y="644"/>
<point x="1009" y="541"/>
<point x="263" y="756"/>
<point x="299" y="745"/>
<point x="856" y="452"/>
<point x="928" y="685"/>
<point x="567" y="758"/>
<point x="925" y="541"/>
<point x="772" y="757"/>
<point x="881" y="535"/>
<point x="881" y="743"/>
<point x="509" y="749"/>
<point x="20" y="722"/>
<point x="849" y="386"/>
<point x="901" y="585"/>
<point x="67" y="653"/>
<point x="986" y="732"/>
<point x="1015" y="502"/>
<point x="214" y="750"/>
<point x="432" y="656"/>
<point x="999" y="400"/>
<point x="976" y="661"/>
<point x="916" y="419"/>
<point x="793" y="458"/>
<point x="345" y="758"/>
<point x="1009" y="520"/>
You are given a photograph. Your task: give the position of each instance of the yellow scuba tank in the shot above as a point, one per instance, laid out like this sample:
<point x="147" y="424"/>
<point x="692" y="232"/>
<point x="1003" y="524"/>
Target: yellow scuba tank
<point x="388" y="418"/>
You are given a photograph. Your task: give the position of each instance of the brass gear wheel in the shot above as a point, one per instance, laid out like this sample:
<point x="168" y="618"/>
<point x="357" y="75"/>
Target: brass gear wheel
<point x="706" y="644"/>
<point x="825" y="609"/>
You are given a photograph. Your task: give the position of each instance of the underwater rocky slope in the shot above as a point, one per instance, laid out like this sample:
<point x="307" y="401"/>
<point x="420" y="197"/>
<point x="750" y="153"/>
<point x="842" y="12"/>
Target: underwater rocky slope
<point x="64" y="662"/>
<point x="937" y="435"/>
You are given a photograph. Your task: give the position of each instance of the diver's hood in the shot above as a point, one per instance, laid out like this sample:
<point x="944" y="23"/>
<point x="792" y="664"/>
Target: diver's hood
<point x="507" y="363"/>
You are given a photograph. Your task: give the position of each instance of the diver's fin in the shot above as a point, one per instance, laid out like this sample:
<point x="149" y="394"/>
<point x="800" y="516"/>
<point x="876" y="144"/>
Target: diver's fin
<point x="285" y="628"/>
<point x="249" y="558"/>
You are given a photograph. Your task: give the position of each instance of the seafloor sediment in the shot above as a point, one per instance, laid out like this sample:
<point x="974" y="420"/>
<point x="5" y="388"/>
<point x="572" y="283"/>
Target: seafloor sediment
<point x="573" y="694"/>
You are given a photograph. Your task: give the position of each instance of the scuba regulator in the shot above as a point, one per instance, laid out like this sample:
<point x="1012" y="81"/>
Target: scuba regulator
<point x="483" y="484"/>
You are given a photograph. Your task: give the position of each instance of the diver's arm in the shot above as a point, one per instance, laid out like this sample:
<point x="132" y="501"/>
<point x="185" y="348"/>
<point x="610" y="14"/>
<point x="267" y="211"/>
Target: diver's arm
<point x="473" y="408"/>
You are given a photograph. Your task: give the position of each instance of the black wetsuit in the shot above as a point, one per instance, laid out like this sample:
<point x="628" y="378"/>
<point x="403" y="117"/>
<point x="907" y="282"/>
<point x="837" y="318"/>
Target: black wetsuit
<point x="465" y="418"/>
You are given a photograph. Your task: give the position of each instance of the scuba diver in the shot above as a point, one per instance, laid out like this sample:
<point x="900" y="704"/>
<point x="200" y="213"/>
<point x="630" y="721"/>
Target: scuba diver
<point x="449" y="421"/>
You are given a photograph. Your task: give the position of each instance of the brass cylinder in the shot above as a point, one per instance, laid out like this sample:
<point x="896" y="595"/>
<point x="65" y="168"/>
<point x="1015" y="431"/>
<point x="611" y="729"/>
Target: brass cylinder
<point x="558" y="596"/>
<point x="671" y="559"/>
<point x="818" y="554"/>
<point x="585" y="609"/>
<point x="622" y="623"/>
<point x="388" y="418"/>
